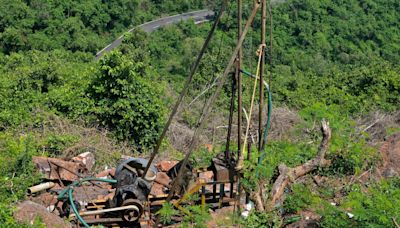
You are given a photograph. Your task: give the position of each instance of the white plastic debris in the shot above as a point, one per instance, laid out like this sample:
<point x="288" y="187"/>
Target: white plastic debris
<point x="350" y="215"/>
<point x="50" y="208"/>
<point x="245" y="214"/>
<point x="249" y="206"/>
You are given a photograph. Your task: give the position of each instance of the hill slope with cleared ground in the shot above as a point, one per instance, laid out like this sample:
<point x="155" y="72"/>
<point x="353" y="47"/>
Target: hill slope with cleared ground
<point x="331" y="59"/>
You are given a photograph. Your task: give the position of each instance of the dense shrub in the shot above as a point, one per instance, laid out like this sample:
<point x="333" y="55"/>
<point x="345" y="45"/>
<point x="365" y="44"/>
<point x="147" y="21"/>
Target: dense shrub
<point x="17" y="175"/>
<point x="377" y="205"/>
<point x="76" y="25"/>
<point x="125" y="101"/>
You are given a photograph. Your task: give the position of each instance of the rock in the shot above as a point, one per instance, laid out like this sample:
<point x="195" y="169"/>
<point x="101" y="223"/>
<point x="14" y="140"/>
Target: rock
<point x="87" y="159"/>
<point x="57" y="187"/>
<point x="106" y="173"/>
<point x="112" y="172"/>
<point x="163" y="179"/>
<point x="91" y="192"/>
<point x="110" y="196"/>
<point x="165" y="166"/>
<point x="157" y="189"/>
<point x="207" y="176"/>
<point x="209" y="147"/>
<point x="27" y="212"/>
<point x="45" y="199"/>
<point x="103" y="174"/>
<point x="55" y="169"/>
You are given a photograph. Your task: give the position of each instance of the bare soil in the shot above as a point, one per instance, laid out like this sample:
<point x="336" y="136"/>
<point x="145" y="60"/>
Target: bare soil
<point x="390" y="152"/>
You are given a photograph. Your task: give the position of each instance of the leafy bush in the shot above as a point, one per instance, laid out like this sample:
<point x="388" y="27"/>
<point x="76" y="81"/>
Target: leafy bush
<point x="261" y="219"/>
<point x="198" y="216"/>
<point x="125" y="101"/>
<point x="377" y="206"/>
<point x="166" y="213"/>
<point x="17" y="175"/>
<point x="195" y="215"/>
<point x="77" y="26"/>
<point x="277" y="152"/>
<point x="301" y="197"/>
<point x="55" y="144"/>
<point x="44" y="81"/>
<point x="202" y="157"/>
<point x="348" y="148"/>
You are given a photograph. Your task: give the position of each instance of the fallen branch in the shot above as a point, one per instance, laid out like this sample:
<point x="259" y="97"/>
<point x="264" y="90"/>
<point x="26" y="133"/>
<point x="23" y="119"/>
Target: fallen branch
<point x="395" y="223"/>
<point x="257" y="197"/>
<point x="289" y="175"/>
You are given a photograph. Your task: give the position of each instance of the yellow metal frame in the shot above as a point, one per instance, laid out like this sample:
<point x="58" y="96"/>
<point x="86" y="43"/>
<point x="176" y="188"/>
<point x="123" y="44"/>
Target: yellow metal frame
<point x="199" y="183"/>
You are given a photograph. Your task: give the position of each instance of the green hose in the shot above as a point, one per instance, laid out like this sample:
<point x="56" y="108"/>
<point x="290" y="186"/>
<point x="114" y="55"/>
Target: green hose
<point x="62" y="196"/>
<point x="70" y="189"/>
<point x="268" y="124"/>
<point x="269" y="113"/>
<point x="71" y="201"/>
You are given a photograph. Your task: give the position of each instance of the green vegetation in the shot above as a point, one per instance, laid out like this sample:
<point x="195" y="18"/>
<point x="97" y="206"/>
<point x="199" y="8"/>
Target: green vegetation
<point x="51" y="87"/>
<point x="166" y="213"/>
<point x="374" y="206"/>
<point x="82" y="26"/>
<point x="332" y="59"/>
<point x="16" y="176"/>
<point x="125" y="101"/>
<point x="195" y="215"/>
<point x="377" y="205"/>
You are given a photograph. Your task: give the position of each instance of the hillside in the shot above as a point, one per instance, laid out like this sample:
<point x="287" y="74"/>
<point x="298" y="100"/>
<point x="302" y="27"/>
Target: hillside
<point x="331" y="59"/>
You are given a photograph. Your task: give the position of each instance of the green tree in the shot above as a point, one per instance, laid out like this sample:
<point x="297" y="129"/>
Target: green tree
<point x="125" y="101"/>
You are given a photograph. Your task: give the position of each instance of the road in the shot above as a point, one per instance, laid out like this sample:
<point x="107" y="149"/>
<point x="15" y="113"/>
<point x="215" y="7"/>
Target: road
<point x="197" y="16"/>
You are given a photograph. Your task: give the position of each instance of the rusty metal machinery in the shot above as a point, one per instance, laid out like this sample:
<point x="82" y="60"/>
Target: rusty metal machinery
<point x="130" y="184"/>
<point x="127" y="206"/>
<point x="133" y="206"/>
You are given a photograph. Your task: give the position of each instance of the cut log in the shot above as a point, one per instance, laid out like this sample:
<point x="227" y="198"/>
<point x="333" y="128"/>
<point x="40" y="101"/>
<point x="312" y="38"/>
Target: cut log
<point x="257" y="197"/>
<point x="289" y="175"/>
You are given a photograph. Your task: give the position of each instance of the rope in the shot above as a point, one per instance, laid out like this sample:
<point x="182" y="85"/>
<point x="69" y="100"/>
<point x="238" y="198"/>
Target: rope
<point x="269" y="105"/>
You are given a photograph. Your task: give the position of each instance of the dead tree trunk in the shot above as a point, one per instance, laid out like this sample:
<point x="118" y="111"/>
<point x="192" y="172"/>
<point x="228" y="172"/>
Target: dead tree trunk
<point x="289" y="175"/>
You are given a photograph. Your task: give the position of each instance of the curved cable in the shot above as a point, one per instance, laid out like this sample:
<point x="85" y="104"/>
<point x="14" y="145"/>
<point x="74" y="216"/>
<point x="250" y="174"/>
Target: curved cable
<point x="269" y="113"/>
<point x="71" y="201"/>
<point x="70" y="189"/>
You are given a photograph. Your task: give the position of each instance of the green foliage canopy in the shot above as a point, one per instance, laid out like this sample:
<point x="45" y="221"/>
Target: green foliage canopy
<point x="125" y="101"/>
